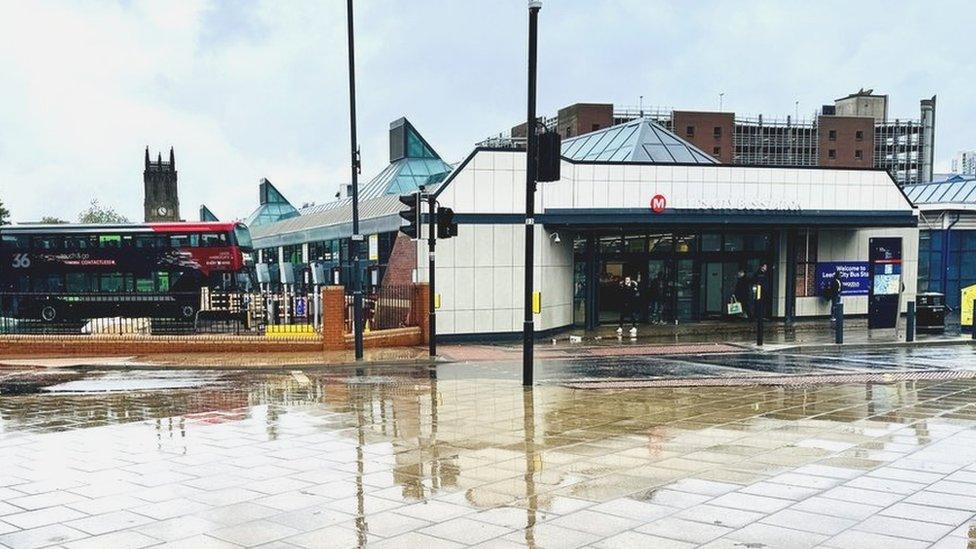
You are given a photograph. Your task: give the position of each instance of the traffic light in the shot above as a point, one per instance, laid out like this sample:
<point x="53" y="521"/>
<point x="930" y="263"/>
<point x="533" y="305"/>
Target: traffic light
<point x="411" y="214"/>
<point x="548" y="154"/>
<point x="446" y="227"/>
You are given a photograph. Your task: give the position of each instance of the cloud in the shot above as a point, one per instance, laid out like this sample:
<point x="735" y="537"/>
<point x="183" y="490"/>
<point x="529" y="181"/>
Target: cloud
<point x="245" y="90"/>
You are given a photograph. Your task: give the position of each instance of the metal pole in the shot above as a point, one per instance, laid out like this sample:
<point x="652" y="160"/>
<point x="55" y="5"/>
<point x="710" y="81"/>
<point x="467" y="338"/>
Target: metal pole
<point x="357" y="282"/>
<point x="839" y="324"/>
<point x="431" y="243"/>
<point x="972" y="325"/>
<point x="910" y="322"/>
<point x="758" y="310"/>
<point x="528" y="329"/>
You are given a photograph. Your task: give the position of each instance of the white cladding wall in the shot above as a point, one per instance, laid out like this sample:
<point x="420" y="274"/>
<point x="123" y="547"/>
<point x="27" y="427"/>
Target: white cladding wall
<point x="841" y="245"/>
<point x="480" y="275"/>
<point x="722" y="187"/>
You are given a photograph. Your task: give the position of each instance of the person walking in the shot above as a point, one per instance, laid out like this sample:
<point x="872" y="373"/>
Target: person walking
<point x="742" y="292"/>
<point x="629" y="304"/>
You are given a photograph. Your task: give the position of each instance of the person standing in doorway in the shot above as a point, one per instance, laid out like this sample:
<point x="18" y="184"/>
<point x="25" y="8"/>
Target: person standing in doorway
<point x="629" y="305"/>
<point x="760" y="281"/>
<point x="655" y="295"/>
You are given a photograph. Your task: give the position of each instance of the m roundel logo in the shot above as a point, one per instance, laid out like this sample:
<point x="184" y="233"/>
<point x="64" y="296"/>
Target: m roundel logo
<point x="658" y="203"/>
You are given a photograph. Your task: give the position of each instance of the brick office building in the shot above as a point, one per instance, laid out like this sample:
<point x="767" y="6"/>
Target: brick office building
<point x="854" y="132"/>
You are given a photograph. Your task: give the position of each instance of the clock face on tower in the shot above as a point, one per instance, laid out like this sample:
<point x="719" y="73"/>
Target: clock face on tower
<point x="162" y="211"/>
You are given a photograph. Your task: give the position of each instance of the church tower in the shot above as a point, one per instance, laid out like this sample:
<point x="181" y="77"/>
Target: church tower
<point x="161" y="201"/>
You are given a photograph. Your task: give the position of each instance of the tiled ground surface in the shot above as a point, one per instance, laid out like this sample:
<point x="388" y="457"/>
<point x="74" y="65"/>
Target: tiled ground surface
<point x="410" y="460"/>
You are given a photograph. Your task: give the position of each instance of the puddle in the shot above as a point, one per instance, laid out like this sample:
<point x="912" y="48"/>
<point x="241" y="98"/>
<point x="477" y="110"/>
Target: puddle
<point x="132" y="380"/>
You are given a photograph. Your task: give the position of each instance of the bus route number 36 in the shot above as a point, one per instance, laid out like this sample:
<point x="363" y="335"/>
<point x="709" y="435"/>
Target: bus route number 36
<point x="21" y="261"/>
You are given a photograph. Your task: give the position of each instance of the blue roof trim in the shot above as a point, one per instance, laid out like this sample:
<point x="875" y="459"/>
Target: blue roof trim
<point x="615" y="217"/>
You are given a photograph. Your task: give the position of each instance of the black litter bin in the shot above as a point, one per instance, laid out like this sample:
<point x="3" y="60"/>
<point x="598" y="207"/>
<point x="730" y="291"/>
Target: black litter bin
<point x="930" y="312"/>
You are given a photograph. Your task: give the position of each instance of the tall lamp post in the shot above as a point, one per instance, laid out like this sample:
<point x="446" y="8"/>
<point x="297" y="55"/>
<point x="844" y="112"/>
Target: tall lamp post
<point x="528" y="327"/>
<point x="357" y="283"/>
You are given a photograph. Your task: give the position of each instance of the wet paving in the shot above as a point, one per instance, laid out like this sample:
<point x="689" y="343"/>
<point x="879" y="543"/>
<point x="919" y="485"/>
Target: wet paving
<point x="460" y="456"/>
<point x="735" y="364"/>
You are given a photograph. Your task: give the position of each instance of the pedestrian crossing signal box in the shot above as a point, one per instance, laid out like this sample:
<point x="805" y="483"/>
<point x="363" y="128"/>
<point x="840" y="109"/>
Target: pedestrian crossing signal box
<point x="548" y="156"/>
<point x="446" y="227"/>
<point x="411" y="214"/>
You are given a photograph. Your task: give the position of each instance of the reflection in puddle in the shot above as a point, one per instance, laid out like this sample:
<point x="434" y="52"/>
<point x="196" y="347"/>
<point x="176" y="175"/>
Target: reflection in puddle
<point x="525" y="464"/>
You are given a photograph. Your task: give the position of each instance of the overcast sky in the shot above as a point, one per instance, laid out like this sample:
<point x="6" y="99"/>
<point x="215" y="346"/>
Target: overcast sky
<point x="245" y="90"/>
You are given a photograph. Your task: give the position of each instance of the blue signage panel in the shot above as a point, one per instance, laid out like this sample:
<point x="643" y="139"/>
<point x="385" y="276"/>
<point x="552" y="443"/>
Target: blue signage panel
<point x="855" y="276"/>
<point x="884" y="254"/>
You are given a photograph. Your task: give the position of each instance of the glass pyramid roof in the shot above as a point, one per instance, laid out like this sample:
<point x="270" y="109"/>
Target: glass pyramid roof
<point x="274" y="206"/>
<point x="958" y="189"/>
<point x="640" y="140"/>
<point x="206" y="215"/>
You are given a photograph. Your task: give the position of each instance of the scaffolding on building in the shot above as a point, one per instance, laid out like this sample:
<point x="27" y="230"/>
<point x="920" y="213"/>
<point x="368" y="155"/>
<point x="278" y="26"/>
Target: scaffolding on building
<point x="783" y="142"/>
<point x="763" y="141"/>
<point x="897" y="148"/>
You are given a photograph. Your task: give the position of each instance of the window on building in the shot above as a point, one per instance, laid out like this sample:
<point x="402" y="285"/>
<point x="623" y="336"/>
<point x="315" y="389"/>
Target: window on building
<point x="806" y="264"/>
<point x="716" y="151"/>
<point x="858" y="154"/>
<point x="859" y="135"/>
<point x="690" y="131"/>
<point x="595" y="127"/>
<point x="832" y="135"/>
<point x="717" y="131"/>
<point x="832" y="153"/>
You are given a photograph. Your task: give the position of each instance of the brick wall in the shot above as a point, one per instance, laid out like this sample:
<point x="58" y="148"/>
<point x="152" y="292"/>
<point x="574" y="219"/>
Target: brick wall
<point x="334" y="336"/>
<point x="85" y="345"/>
<point x="396" y="337"/>
<point x="333" y="318"/>
<point x="402" y="262"/>
<point x="420" y="309"/>
<point x="710" y="131"/>
<point x="851" y="138"/>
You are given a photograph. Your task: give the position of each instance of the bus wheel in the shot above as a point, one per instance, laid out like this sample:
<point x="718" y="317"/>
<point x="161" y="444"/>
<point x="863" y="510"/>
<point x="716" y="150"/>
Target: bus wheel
<point x="49" y="313"/>
<point x="187" y="312"/>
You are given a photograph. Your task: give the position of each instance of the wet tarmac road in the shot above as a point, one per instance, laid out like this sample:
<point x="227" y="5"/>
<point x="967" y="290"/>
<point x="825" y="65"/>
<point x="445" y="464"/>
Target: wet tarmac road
<point x="461" y="456"/>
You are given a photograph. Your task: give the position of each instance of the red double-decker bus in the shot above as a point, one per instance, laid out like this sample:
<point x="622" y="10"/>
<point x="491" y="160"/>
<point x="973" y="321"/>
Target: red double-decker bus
<point x="57" y="272"/>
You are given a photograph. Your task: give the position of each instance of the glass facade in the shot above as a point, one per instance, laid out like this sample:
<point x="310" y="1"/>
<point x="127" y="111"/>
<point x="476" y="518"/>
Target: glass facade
<point x="334" y="254"/>
<point x="946" y="263"/>
<point x="273" y="206"/>
<point x="683" y="276"/>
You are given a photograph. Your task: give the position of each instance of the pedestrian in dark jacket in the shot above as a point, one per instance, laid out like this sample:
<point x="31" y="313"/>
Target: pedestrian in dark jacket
<point x="760" y="280"/>
<point x="629" y="304"/>
<point x="743" y="292"/>
<point x="833" y="292"/>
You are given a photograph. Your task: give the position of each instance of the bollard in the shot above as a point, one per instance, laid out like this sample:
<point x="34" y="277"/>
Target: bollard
<point x="839" y="324"/>
<point x="910" y="322"/>
<point x="758" y="311"/>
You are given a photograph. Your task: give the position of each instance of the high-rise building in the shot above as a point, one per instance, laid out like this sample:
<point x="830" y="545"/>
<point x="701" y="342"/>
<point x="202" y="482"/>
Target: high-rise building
<point x="161" y="199"/>
<point x="964" y="163"/>
<point x="853" y="132"/>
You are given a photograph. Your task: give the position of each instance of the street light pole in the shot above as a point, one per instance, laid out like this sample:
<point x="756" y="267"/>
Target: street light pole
<point x="354" y="245"/>
<point x="528" y="328"/>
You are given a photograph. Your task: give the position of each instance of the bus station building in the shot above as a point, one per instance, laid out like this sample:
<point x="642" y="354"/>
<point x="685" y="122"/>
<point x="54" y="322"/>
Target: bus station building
<point x="633" y="200"/>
